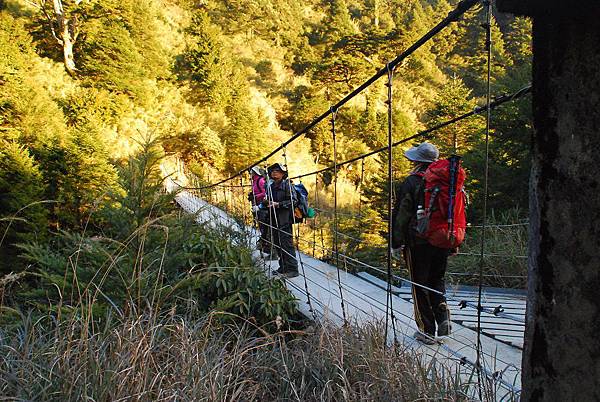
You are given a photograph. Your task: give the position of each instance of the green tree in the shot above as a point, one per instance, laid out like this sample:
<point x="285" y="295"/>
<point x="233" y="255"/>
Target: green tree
<point x="244" y="138"/>
<point x="200" y="144"/>
<point x="518" y="41"/>
<point x="452" y="101"/>
<point x="111" y="60"/>
<point x="307" y="105"/>
<point x="59" y="28"/>
<point x="139" y="197"/>
<point x="346" y="65"/>
<point x="206" y="65"/>
<point x="338" y="22"/>
<point x="471" y="61"/>
<point x="28" y="114"/>
<point x="22" y="216"/>
<point x="78" y="176"/>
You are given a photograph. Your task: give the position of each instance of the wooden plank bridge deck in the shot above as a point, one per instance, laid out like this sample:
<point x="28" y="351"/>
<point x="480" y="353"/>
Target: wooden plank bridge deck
<point x="365" y="297"/>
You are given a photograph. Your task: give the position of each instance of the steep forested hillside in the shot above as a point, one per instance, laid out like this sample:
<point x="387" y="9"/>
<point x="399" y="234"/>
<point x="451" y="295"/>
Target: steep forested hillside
<point x="220" y="82"/>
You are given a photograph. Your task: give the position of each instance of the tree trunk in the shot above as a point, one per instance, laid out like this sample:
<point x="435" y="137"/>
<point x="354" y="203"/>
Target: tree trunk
<point x="67" y="37"/>
<point x="68" y="57"/>
<point x="561" y="357"/>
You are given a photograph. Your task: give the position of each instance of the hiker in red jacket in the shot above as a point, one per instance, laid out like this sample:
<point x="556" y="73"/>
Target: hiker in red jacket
<point x="426" y="263"/>
<point x="256" y="197"/>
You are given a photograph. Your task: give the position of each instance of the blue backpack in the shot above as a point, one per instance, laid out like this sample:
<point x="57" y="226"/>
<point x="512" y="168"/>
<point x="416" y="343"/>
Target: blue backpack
<point x="302" y="210"/>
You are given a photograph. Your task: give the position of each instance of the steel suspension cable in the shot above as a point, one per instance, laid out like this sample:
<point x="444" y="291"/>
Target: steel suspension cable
<point x="389" y="300"/>
<point x="488" y="49"/>
<point x="299" y="254"/>
<point x="335" y="213"/>
<point x="360" y="187"/>
<point x="425" y="133"/>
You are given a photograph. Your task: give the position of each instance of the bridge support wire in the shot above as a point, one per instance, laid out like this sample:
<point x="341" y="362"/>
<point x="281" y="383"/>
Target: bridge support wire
<point x="389" y="301"/>
<point x="314" y="231"/>
<point x="488" y="49"/>
<point x="335" y="213"/>
<point x="296" y="242"/>
<point x="360" y="187"/>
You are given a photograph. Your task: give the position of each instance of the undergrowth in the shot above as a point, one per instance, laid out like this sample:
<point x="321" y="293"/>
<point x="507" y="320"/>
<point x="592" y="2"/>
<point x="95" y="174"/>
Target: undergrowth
<point x="173" y="357"/>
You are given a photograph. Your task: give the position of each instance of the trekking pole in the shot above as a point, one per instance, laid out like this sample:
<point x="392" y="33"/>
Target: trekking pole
<point x="257" y="223"/>
<point x="244" y="212"/>
<point x="314" y="245"/>
<point x="488" y="50"/>
<point x="454" y="168"/>
<point x="272" y="226"/>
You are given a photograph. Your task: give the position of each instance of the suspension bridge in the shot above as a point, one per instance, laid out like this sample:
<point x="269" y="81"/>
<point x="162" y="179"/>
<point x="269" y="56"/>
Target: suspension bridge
<point x="365" y="297"/>
<point x="488" y="324"/>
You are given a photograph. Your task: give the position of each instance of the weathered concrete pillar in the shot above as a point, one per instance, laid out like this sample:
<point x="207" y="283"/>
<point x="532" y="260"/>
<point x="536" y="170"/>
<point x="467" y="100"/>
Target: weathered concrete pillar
<point x="561" y="360"/>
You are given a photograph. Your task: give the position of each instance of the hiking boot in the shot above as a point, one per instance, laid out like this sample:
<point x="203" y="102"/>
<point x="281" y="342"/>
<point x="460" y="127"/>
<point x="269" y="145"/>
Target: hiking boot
<point x="269" y="254"/>
<point x="424" y="338"/>
<point x="286" y="274"/>
<point x="444" y="328"/>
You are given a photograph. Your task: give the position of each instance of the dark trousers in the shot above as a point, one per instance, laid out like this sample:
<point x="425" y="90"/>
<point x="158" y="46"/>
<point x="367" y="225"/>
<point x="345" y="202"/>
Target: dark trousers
<point x="285" y="247"/>
<point x="262" y="216"/>
<point x="427" y="266"/>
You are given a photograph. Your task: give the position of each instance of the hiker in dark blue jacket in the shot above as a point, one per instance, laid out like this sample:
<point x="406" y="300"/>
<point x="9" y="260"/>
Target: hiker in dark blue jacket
<point x="280" y="201"/>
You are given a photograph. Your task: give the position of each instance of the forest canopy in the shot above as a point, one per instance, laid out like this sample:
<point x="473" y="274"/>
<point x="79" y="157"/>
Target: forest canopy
<point x="219" y="83"/>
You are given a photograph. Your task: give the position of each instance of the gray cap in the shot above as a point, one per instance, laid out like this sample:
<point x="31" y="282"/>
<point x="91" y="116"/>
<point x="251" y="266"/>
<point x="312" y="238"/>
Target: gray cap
<point x="256" y="170"/>
<point x="424" y="152"/>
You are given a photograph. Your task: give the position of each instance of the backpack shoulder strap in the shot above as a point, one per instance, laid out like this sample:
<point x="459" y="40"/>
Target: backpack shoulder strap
<point x="419" y="189"/>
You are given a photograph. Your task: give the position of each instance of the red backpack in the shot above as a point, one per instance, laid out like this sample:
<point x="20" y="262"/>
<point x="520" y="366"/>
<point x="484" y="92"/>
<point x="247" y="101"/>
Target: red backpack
<point x="441" y="218"/>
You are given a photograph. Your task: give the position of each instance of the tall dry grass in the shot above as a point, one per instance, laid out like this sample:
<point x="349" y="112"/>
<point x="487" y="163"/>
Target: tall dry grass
<point x="173" y="358"/>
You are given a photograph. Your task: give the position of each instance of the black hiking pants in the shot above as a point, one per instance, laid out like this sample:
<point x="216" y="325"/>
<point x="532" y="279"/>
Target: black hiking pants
<point x="285" y="247"/>
<point x="262" y="217"/>
<point x="427" y="265"/>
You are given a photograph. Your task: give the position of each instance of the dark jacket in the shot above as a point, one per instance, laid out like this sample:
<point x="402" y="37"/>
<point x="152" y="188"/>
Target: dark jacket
<point x="280" y="193"/>
<point x="408" y="195"/>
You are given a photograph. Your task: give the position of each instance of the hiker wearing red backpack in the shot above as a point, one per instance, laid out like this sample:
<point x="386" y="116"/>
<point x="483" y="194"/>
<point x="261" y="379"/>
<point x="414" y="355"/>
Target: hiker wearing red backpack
<point x="428" y="223"/>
